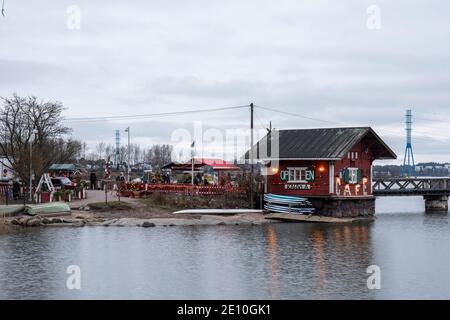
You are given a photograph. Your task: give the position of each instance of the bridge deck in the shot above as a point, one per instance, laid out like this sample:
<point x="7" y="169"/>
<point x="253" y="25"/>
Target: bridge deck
<point x="419" y="186"/>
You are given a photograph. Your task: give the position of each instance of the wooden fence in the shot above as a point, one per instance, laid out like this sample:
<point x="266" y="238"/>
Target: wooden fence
<point x="186" y="189"/>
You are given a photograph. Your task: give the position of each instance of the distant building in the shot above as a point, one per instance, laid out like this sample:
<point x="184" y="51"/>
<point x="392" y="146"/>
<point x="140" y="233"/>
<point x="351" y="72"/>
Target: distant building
<point x="64" y="169"/>
<point x="208" y="167"/>
<point x="6" y="173"/>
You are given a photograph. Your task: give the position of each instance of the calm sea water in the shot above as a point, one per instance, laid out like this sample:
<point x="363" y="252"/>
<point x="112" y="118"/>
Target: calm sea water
<point x="277" y="261"/>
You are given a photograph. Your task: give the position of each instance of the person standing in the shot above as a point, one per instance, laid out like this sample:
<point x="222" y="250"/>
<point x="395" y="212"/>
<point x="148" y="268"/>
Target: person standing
<point x="16" y="189"/>
<point x="93" y="179"/>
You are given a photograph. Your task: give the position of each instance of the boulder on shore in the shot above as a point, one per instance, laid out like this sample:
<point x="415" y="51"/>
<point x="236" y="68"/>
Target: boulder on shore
<point x="147" y="224"/>
<point x="33" y="222"/>
<point x="46" y="221"/>
<point x="57" y="220"/>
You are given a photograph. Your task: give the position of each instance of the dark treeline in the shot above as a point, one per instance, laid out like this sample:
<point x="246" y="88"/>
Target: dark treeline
<point x="428" y="169"/>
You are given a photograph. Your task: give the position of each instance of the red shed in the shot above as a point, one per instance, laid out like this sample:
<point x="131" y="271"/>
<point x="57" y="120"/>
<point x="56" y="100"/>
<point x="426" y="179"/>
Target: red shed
<point x="321" y="163"/>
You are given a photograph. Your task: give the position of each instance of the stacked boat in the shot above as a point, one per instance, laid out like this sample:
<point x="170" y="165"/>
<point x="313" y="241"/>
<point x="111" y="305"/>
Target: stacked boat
<point x="287" y="204"/>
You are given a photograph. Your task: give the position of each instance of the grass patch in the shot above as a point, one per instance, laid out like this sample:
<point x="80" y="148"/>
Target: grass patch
<point x="179" y="201"/>
<point x="110" y="206"/>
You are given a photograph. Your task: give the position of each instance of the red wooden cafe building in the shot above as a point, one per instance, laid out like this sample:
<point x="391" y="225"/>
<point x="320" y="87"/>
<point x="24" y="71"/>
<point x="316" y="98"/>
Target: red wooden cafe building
<point x="332" y="167"/>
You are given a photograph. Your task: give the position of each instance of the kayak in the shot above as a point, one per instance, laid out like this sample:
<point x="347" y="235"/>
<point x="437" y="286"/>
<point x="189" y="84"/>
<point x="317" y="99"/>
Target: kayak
<point x="47" y="208"/>
<point x="274" y="198"/>
<point x="287" y="204"/>
<point x="293" y="210"/>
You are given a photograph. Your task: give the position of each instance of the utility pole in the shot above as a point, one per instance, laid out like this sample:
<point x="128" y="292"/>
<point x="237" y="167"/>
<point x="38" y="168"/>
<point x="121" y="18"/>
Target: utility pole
<point x="117" y="153"/>
<point x="31" y="170"/>
<point x="192" y="161"/>
<point x="252" y="173"/>
<point x="32" y="138"/>
<point x="127" y="130"/>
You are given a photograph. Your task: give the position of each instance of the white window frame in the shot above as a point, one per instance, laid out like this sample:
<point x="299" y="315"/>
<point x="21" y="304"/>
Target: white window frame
<point x="293" y="170"/>
<point x="353" y="175"/>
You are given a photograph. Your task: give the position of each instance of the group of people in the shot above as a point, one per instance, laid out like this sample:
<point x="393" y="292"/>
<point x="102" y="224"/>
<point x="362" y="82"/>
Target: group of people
<point x="13" y="190"/>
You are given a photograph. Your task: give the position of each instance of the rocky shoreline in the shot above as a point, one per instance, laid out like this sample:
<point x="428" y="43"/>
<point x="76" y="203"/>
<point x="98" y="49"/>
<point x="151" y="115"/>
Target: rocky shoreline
<point x="81" y="220"/>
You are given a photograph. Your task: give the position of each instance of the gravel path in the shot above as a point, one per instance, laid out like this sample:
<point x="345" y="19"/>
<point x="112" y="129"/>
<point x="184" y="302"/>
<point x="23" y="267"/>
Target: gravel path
<point x="99" y="196"/>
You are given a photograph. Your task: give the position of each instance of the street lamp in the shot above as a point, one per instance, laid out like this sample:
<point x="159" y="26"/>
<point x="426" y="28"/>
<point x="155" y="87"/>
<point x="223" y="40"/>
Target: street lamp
<point x="33" y="136"/>
<point x="127" y="130"/>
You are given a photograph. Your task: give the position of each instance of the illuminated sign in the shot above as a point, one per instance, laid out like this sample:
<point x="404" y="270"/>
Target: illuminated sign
<point x="309" y="175"/>
<point x="297" y="186"/>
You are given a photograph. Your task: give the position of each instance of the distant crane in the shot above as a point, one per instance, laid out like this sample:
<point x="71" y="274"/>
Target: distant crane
<point x="409" y="168"/>
<point x="3" y="8"/>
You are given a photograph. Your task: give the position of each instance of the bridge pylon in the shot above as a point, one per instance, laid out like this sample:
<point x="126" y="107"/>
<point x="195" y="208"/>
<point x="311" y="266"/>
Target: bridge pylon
<point x="409" y="167"/>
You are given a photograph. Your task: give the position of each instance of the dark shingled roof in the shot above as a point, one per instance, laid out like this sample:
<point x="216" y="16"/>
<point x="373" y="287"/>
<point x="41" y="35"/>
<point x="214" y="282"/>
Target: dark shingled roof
<point x="323" y="144"/>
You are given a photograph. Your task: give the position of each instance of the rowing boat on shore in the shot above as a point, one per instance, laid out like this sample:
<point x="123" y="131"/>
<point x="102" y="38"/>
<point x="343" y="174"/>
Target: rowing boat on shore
<point x="47" y="208"/>
<point x="10" y="210"/>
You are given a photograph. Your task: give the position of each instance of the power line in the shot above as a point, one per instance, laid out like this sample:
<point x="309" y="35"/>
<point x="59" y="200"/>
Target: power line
<point x="298" y="115"/>
<point x="151" y="115"/>
<point x="346" y="124"/>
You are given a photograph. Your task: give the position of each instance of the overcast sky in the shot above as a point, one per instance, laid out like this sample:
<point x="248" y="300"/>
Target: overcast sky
<point x="344" y="62"/>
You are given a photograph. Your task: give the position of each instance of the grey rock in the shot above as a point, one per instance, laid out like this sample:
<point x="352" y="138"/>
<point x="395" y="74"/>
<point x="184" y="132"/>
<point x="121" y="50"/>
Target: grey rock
<point x="33" y="222"/>
<point x="78" y="224"/>
<point x="46" y="221"/>
<point x="147" y="224"/>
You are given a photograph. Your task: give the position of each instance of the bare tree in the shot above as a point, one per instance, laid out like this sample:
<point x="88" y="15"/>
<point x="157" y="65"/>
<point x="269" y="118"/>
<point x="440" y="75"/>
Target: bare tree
<point x="137" y="153"/>
<point x="83" y="150"/>
<point x="27" y="122"/>
<point x="109" y="151"/>
<point x="159" y="155"/>
<point x="123" y="155"/>
<point x="100" y="147"/>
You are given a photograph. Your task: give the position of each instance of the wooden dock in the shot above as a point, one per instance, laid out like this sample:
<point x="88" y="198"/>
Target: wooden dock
<point x="288" y="217"/>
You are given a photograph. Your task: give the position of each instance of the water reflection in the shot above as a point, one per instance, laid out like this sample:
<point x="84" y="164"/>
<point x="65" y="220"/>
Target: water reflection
<point x="331" y="259"/>
<point x="280" y="261"/>
<point x="319" y="254"/>
<point x="272" y="252"/>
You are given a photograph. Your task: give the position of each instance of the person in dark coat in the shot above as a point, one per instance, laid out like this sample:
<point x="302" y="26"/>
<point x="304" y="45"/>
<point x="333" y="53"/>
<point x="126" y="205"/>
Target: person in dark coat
<point x="16" y="190"/>
<point x="93" y="179"/>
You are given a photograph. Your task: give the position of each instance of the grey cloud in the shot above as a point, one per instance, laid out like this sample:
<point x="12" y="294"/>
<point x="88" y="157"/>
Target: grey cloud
<point x="314" y="58"/>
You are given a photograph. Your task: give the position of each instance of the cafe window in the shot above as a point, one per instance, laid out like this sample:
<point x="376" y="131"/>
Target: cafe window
<point x="353" y="175"/>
